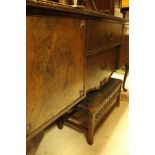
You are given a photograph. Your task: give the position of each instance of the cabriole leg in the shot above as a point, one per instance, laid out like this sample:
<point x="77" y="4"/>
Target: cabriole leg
<point x="125" y="76"/>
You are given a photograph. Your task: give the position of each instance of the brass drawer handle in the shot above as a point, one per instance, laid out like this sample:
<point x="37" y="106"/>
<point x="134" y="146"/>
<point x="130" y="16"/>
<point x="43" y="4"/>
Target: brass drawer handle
<point x="110" y="35"/>
<point x="82" y="24"/>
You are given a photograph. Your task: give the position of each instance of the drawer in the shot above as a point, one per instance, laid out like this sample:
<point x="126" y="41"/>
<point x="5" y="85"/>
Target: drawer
<point x="103" y="35"/>
<point x="99" y="67"/>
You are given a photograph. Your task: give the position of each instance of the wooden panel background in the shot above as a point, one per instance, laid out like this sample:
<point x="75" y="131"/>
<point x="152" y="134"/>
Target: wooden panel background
<point x="98" y="34"/>
<point x="54" y="67"/>
<point x="99" y="67"/>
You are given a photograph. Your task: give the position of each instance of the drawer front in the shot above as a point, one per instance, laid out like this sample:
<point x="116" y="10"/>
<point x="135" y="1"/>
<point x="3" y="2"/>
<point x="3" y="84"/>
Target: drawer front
<point x="99" y="67"/>
<point x="103" y="34"/>
<point x="54" y="67"/>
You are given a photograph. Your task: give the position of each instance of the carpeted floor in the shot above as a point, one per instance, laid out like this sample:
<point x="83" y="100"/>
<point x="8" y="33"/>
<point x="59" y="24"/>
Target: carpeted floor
<point x="110" y="139"/>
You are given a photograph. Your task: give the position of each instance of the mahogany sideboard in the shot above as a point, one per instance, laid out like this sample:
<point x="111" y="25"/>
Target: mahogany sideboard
<point x="69" y="52"/>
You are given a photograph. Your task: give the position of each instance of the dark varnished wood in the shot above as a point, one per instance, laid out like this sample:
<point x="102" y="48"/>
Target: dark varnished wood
<point x="103" y="34"/>
<point x="99" y="68"/>
<point x="50" y="6"/>
<point x="56" y="56"/>
<point x="106" y="6"/>
<point x="124" y="51"/>
<point x="103" y="39"/>
<point x="91" y="111"/>
<point x="55" y="67"/>
<point x="32" y="145"/>
<point x="59" y="123"/>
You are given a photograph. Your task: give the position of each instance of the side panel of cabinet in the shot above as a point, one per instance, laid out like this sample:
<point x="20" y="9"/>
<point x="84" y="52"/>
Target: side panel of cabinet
<point x="54" y="67"/>
<point x="124" y="50"/>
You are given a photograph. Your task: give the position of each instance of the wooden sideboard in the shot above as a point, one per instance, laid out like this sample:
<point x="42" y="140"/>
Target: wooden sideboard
<point x="103" y="40"/>
<point x="55" y="67"/>
<point x="69" y="51"/>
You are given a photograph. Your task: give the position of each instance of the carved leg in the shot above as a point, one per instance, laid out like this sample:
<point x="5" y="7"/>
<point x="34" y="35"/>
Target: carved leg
<point x="90" y="131"/>
<point x="60" y="123"/>
<point x="90" y="136"/>
<point x="32" y="145"/>
<point x="125" y="76"/>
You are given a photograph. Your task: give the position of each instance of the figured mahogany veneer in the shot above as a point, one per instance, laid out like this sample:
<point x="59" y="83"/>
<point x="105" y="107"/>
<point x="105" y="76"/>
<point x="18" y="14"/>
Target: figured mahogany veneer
<point x="103" y="35"/>
<point x="69" y="52"/>
<point x="55" y="67"/>
<point x="99" y="68"/>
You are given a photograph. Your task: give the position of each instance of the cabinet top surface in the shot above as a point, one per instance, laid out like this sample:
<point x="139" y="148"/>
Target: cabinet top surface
<point x="70" y="9"/>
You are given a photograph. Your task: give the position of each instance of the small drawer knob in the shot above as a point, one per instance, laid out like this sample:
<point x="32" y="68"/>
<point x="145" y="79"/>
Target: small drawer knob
<point x="82" y="24"/>
<point x="28" y="127"/>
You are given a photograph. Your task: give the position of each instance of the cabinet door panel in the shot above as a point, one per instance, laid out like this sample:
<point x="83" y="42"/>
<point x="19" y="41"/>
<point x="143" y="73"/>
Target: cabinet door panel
<point x="55" y="67"/>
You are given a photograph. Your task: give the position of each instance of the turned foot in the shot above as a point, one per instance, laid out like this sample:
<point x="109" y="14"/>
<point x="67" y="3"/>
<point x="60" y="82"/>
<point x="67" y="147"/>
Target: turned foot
<point x="59" y="123"/>
<point x="90" y="137"/>
<point x="90" y="133"/>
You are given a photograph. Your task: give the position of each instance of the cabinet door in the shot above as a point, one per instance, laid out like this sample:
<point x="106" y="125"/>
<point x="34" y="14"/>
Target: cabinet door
<point x="54" y="67"/>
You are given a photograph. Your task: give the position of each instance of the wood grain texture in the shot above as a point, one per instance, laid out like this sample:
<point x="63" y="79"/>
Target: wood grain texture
<point x="56" y="55"/>
<point x="99" y="67"/>
<point x="106" y="6"/>
<point x="91" y="111"/>
<point x="54" y="67"/>
<point x="49" y="7"/>
<point x="124" y="50"/>
<point x="103" y="34"/>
